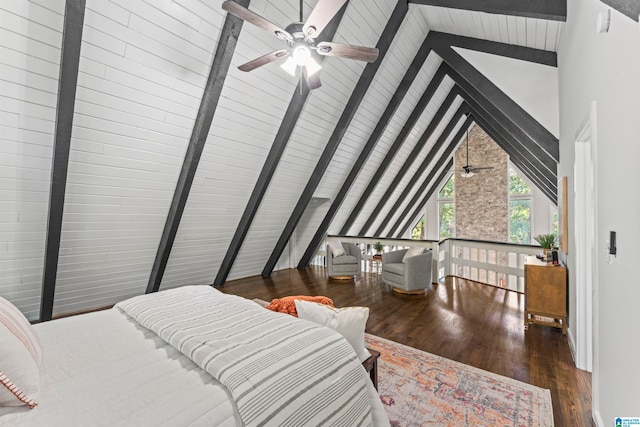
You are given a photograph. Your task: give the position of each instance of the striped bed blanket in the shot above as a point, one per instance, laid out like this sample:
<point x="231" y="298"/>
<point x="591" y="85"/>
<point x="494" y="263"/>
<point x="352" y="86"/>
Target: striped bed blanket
<point x="280" y="370"/>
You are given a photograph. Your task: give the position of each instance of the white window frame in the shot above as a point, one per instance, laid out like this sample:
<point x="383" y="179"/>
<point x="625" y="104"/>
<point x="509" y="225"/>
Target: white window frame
<point x="528" y="196"/>
<point x="441" y="200"/>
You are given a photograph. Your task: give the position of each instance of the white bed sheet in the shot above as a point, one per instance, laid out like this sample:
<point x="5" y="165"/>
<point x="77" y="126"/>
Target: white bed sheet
<point x="104" y="369"/>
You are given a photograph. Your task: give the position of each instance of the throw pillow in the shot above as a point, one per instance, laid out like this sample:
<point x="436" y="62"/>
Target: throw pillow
<point x="412" y="252"/>
<point x="287" y="304"/>
<point x="20" y="358"/>
<point x="349" y="321"/>
<point x="336" y="248"/>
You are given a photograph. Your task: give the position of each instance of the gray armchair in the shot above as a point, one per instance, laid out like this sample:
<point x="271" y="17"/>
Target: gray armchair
<point x="410" y="277"/>
<point x="345" y="266"/>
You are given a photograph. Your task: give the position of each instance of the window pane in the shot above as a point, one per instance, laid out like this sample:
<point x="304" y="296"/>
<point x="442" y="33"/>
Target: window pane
<point x="517" y="185"/>
<point x="447" y="190"/>
<point x="418" y="231"/>
<point x="446" y="217"/>
<point x="520" y="221"/>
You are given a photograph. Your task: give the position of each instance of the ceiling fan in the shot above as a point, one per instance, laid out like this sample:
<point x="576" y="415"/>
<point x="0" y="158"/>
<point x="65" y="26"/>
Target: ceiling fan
<point x="467" y="170"/>
<point x="301" y="41"/>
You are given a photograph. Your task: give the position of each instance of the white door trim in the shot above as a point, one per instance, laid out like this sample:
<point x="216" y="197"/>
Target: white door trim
<point x="585" y="202"/>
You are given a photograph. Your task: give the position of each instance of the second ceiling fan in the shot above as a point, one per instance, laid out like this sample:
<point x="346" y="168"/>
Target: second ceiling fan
<point x="302" y="44"/>
<point x="467" y="170"/>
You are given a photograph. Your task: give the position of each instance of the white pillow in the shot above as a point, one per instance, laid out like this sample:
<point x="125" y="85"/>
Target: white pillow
<point x="336" y="248"/>
<point x="20" y="358"/>
<point x="349" y="321"/>
<point x="412" y="252"/>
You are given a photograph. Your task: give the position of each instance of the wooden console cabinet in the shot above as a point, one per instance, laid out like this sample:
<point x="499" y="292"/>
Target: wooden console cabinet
<point x="545" y="294"/>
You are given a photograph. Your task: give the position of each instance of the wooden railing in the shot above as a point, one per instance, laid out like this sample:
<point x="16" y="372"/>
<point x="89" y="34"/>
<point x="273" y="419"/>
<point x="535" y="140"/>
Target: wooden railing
<point x="494" y="263"/>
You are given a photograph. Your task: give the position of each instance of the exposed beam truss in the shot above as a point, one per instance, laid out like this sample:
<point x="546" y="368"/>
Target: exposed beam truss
<point x="67" y="82"/>
<point x="630" y="8"/>
<point x="546" y="162"/>
<point x="523" y="163"/>
<point x="359" y="92"/>
<point x="496" y="102"/>
<point x="410" y="159"/>
<point x="395" y="147"/>
<point x="554" y="10"/>
<point x="210" y="97"/>
<point x="446" y="155"/>
<point x="271" y="163"/>
<point x="431" y="89"/>
<point x="431" y="156"/>
<point x="523" y="53"/>
<point x="513" y="147"/>
<point x="425" y="199"/>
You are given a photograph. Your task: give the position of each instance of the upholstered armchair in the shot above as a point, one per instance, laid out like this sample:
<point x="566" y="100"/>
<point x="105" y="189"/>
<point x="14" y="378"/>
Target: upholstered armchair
<point x="410" y="274"/>
<point x="344" y="265"/>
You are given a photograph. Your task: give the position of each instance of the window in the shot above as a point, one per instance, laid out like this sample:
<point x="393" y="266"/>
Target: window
<point x="520" y="204"/>
<point x="418" y="231"/>
<point x="446" y="210"/>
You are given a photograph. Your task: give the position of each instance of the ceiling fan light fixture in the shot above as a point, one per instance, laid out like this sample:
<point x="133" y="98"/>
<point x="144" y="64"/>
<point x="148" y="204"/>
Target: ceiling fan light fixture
<point x="467" y="174"/>
<point x="312" y="67"/>
<point x="290" y="66"/>
<point x="301" y="54"/>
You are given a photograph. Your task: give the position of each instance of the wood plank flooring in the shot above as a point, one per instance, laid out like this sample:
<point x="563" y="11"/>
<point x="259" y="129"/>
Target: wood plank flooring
<point x="461" y="320"/>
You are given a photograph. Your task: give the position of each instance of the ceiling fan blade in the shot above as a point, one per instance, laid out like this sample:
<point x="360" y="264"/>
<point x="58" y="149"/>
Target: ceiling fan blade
<point x="360" y="53"/>
<point x="320" y="16"/>
<point x="255" y="19"/>
<point x="264" y="59"/>
<point x="313" y="81"/>
<point x="477" y="169"/>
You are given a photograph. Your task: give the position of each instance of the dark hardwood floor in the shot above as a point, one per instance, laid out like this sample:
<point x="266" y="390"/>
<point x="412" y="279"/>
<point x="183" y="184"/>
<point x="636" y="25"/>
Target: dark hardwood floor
<point x="461" y="320"/>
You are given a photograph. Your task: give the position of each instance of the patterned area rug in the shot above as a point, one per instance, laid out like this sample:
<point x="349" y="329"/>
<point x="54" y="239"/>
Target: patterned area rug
<point x="422" y="389"/>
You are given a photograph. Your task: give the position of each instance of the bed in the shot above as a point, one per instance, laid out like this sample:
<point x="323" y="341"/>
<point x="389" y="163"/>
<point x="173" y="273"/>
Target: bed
<point x="194" y="356"/>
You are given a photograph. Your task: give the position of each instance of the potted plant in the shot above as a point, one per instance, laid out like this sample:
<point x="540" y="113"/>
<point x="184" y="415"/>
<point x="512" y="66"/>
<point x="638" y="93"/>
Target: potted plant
<point x="547" y="241"/>
<point x="377" y="246"/>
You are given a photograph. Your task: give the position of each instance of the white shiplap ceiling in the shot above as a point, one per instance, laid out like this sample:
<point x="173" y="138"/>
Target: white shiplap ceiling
<point x="143" y="69"/>
<point x="516" y="30"/>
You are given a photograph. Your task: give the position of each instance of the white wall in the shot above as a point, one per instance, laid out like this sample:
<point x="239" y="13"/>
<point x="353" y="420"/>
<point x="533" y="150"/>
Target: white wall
<point x="533" y="86"/>
<point x="604" y="68"/>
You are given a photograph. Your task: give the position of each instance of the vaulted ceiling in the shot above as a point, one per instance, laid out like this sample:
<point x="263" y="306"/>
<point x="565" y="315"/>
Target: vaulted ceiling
<point x="170" y="166"/>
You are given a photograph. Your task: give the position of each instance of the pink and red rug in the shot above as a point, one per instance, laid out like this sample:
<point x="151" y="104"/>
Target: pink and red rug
<point x="422" y="389"/>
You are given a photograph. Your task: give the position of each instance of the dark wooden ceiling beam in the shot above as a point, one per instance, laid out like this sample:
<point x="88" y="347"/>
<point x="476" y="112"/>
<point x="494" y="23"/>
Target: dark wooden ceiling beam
<point x="446" y="155"/>
<point x="534" y="150"/>
<point x="65" y="107"/>
<point x="497" y="103"/>
<point x="553" y="10"/>
<point x="397" y="144"/>
<point x="523" y="53"/>
<point x="349" y="112"/>
<point x="431" y="155"/>
<point x="202" y="124"/>
<point x="271" y="163"/>
<point x="630" y="8"/>
<point x="415" y="152"/>
<point x="544" y="179"/>
<point x="425" y="199"/>
<point x="403" y="88"/>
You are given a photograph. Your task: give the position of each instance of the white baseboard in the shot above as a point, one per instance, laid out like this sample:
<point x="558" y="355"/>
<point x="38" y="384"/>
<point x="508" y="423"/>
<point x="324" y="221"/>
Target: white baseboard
<point x="597" y="418"/>
<point x="572" y="345"/>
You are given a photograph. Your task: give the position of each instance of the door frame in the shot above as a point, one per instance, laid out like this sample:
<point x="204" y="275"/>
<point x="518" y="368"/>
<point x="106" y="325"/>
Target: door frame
<point x="585" y="229"/>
